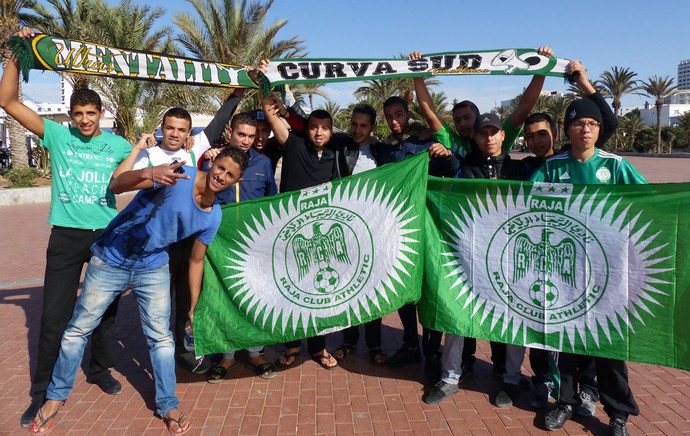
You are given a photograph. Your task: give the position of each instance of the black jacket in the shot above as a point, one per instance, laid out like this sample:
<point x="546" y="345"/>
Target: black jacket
<point x="476" y="166"/>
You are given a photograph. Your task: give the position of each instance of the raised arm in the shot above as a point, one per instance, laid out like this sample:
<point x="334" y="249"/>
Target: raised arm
<point x="147" y="139"/>
<point x="609" y="121"/>
<point x="530" y="96"/>
<point x="270" y="107"/>
<point x="223" y="115"/>
<point x="9" y="94"/>
<point x="433" y="119"/>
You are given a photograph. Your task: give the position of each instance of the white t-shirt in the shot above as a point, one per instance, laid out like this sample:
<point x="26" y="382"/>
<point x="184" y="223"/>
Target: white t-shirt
<point x="157" y="156"/>
<point x="365" y="161"/>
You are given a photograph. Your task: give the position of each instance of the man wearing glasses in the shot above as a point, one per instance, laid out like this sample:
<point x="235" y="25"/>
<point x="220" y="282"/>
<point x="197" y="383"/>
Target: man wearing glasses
<point x="584" y="163"/>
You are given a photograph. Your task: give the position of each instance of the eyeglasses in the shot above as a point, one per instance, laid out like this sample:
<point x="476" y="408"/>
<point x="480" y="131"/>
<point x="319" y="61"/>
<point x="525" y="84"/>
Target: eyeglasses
<point x="579" y="125"/>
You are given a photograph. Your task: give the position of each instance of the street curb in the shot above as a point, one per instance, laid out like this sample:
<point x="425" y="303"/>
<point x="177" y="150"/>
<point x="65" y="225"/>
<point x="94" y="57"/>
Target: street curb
<point x="11" y="197"/>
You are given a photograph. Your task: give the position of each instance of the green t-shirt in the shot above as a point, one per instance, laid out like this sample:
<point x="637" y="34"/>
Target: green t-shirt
<point x="81" y="168"/>
<point x="602" y="168"/>
<point x="461" y="147"/>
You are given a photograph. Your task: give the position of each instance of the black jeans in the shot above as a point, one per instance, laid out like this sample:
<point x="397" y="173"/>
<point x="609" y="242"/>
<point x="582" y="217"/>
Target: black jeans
<point x="372" y="334"/>
<point x="68" y="250"/>
<point x="179" y="287"/>
<point x="612" y="379"/>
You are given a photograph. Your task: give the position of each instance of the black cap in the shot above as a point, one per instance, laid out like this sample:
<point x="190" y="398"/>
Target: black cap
<point x="488" y="119"/>
<point x="582" y="108"/>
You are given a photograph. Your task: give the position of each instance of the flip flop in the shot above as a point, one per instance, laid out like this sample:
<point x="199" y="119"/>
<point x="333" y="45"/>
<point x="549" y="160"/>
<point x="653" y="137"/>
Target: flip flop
<point x="286" y="356"/>
<point x="35" y="426"/>
<point x="264" y="370"/>
<point x="218" y="373"/>
<point x="321" y="360"/>
<point x="180" y="429"/>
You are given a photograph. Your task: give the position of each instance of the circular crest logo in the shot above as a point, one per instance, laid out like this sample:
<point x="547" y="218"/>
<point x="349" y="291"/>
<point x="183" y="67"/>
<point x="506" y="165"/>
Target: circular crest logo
<point x="547" y="274"/>
<point x="603" y="174"/>
<point x="327" y="256"/>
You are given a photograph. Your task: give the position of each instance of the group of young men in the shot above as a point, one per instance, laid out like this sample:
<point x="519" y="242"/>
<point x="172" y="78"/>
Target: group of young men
<point x="157" y="244"/>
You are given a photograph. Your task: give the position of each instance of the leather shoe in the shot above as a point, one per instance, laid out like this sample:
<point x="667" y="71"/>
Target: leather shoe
<point x="558" y="416"/>
<point x="31" y="411"/>
<point x="109" y="385"/>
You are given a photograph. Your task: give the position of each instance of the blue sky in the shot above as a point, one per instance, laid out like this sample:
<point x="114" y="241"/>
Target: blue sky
<point x="649" y="37"/>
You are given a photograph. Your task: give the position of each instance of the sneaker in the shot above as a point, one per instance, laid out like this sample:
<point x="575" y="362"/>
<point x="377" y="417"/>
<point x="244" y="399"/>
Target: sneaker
<point x="440" y="391"/>
<point x="193" y="364"/>
<point x="466" y="371"/>
<point x="31" y="411"/>
<point x="540" y="395"/>
<point x="558" y="416"/>
<point x="587" y="405"/>
<point x="404" y="356"/>
<point x="108" y="384"/>
<point x="506" y="396"/>
<point x="618" y="427"/>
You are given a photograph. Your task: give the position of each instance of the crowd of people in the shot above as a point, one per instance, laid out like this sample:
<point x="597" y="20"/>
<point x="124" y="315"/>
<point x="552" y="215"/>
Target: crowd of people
<point x="156" y="245"/>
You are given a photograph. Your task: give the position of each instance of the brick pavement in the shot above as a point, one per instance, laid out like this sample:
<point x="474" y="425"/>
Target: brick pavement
<point x="356" y="398"/>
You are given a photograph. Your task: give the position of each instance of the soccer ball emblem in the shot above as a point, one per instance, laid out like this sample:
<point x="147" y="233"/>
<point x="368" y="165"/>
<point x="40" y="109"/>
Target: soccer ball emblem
<point x="326" y="280"/>
<point x="543" y="293"/>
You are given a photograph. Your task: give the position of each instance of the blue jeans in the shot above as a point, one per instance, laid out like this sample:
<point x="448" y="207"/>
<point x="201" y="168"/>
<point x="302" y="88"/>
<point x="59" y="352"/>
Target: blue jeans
<point x="101" y="285"/>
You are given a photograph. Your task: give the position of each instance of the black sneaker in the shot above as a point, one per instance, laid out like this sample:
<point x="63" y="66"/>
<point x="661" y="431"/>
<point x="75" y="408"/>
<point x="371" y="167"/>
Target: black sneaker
<point x="506" y="396"/>
<point x="31" y="411"/>
<point x="108" y="384"/>
<point x="440" y="391"/>
<point x="618" y="427"/>
<point x="190" y="362"/>
<point x="558" y="416"/>
<point x="404" y="356"/>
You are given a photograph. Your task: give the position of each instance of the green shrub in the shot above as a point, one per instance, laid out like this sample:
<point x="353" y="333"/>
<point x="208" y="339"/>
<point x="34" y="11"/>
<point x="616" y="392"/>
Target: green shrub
<point x="22" y="177"/>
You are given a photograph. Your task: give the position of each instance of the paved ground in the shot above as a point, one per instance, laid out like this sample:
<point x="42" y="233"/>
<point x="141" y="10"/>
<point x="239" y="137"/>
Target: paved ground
<point x="354" y="399"/>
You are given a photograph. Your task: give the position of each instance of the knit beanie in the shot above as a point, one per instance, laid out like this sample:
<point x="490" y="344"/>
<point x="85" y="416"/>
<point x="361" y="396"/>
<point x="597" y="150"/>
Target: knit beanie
<point x="582" y="108"/>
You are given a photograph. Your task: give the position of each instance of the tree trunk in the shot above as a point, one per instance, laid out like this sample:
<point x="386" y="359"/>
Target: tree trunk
<point x="17" y="143"/>
<point x="658" y="128"/>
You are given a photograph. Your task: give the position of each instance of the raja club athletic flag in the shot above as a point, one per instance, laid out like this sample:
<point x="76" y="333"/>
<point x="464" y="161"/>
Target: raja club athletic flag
<point x="308" y="262"/>
<point x="599" y="270"/>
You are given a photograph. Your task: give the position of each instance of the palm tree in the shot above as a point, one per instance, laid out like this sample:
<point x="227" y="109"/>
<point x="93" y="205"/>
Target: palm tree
<point x="556" y="107"/>
<point x="13" y="15"/>
<point x="630" y="125"/>
<point x="81" y="21"/>
<point x="615" y="84"/>
<point x="440" y="102"/>
<point x="381" y="89"/>
<point x="234" y="32"/>
<point x="131" y="26"/>
<point x="310" y="90"/>
<point x="658" y="88"/>
<point x="503" y="112"/>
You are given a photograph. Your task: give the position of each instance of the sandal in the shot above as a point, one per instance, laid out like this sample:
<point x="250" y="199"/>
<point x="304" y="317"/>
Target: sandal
<point x="218" y="373"/>
<point x="342" y="351"/>
<point x="180" y="428"/>
<point x="286" y="357"/>
<point x="377" y="357"/>
<point x="322" y="360"/>
<point x="264" y="370"/>
<point x="47" y="423"/>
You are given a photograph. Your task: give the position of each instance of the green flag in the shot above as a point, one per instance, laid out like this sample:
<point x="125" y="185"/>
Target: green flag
<point x="589" y="269"/>
<point x="308" y="262"/>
